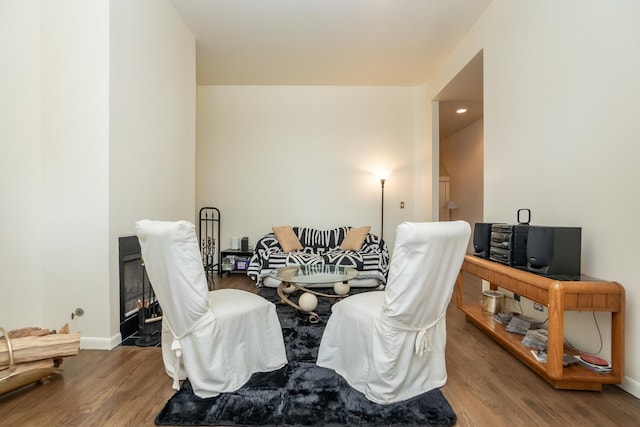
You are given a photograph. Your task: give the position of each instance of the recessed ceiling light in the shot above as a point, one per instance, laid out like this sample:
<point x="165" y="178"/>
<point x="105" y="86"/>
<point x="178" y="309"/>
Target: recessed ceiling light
<point x="461" y="110"/>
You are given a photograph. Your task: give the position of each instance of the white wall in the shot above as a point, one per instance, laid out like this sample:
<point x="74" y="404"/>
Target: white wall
<point x="21" y="297"/>
<point x="83" y="90"/>
<point x="75" y="129"/>
<point x="152" y="118"/>
<point x="561" y="94"/>
<point x="292" y="155"/>
<point x="462" y="155"/>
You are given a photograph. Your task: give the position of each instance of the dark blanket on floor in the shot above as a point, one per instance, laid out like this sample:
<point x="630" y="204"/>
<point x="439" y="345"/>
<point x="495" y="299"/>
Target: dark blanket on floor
<point x="301" y="393"/>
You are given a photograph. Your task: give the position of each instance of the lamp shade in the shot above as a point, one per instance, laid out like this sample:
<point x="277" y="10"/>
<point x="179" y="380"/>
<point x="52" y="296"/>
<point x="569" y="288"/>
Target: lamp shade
<point x="450" y="204"/>
<point x="383" y="175"/>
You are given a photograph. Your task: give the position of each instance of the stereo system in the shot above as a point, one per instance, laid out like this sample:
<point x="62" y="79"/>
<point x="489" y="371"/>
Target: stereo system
<point x="546" y="250"/>
<point x="509" y="244"/>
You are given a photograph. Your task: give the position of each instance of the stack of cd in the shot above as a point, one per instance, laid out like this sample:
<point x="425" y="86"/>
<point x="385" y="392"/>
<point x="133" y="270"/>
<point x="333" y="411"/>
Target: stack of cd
<point x="541" y="356"/>
<point x="521" y="324"/>
<point x="536" y="338"/>
<point x="502" y="317"/>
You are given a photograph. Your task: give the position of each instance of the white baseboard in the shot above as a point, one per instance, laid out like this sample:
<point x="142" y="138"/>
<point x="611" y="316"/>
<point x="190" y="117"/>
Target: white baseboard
<point x="92" y="343"/>
<point x="631" y="386"/>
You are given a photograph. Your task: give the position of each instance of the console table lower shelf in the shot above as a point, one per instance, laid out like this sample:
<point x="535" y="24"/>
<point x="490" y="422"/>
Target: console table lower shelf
<point x="558" y="296"/>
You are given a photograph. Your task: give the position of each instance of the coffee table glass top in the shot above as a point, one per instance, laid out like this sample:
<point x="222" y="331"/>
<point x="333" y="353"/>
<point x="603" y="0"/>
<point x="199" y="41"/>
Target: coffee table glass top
<point x="314" y="273"/>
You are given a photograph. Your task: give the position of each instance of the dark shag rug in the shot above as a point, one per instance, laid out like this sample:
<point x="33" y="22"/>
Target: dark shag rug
<point x="301" y="393"/>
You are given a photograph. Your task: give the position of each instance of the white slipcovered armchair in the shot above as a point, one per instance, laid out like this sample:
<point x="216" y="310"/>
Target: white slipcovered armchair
<point x="390" y="345"/>
<point x="217" y="339"/>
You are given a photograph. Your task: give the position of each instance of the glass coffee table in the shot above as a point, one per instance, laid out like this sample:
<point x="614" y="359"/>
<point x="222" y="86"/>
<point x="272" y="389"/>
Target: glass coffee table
<point x="298" y="277"/>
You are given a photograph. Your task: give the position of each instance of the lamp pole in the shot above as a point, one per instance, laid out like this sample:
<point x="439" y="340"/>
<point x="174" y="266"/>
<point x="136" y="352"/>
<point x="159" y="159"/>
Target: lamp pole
<point x="382" y="210"/>
<point x="382" y="175"/>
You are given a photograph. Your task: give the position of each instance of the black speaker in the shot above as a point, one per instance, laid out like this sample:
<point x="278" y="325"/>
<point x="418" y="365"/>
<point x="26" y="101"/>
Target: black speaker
<point x="244" y="244"/>
<point x="481" y="239"/>
<point x="554" y="251"/>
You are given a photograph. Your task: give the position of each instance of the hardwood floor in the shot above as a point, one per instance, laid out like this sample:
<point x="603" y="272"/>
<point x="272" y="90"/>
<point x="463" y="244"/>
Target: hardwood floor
<point x="127" y="386"/>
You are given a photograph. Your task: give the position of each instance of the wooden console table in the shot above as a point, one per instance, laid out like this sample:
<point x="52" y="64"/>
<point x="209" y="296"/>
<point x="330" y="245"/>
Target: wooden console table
<point x="558" y="296"/>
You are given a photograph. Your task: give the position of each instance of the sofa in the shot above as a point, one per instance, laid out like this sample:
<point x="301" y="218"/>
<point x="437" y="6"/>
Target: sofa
<point x="346" y="246"/>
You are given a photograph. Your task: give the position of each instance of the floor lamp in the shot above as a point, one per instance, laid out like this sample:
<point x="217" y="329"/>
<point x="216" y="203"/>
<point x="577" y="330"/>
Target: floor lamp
<point x="382" y="175"/>
<point x="450" y="205"/>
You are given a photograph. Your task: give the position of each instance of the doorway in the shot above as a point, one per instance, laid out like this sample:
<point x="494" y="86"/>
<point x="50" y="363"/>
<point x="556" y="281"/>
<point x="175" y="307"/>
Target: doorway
<point x="461" y="145"/>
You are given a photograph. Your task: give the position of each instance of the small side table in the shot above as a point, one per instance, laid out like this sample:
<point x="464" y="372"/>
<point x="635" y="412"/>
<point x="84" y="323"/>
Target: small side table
<point x="236" y="252"/>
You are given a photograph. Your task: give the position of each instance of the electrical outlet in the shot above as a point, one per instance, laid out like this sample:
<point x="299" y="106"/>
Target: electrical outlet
<point x="516" y="297"/>
<point x="401" y="205"/>
<point x="538" y="307"/>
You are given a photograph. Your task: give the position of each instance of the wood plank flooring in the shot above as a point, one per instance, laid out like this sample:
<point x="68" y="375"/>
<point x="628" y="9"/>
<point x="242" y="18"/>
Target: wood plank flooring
<point x="127" y="386"/>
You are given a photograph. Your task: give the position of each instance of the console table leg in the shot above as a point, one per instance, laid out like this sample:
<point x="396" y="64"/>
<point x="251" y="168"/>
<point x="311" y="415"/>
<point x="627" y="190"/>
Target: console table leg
<point x="555" y="344"/>
<point x="617" y="339"/>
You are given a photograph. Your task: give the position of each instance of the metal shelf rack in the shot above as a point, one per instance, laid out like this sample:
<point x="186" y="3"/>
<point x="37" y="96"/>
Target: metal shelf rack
<point x="209" y="234"/>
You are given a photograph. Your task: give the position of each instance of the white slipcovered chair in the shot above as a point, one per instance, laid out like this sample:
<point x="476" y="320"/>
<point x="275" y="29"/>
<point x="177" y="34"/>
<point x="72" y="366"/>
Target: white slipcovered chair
<point x="390" y="345"/>
<point x="217" y="339"/>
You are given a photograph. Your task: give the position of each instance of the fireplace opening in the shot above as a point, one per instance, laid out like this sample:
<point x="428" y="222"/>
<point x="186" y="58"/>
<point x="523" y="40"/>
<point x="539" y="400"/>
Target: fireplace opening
<point x="140" y="313"/>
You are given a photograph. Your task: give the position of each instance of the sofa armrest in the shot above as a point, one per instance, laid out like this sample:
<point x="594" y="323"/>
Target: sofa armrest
<point x="267" y="242"/>
<point x="265" y="246"/>
<point x="373" y="243"/>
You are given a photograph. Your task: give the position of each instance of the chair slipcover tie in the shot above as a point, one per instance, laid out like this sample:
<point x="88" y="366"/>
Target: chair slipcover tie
<point x="176" y="346"/>
<point x="423" y="338"/>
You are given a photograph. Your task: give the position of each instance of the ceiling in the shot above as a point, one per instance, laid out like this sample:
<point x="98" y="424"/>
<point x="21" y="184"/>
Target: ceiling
<point x="325" y="42"/>
<point x="464" y="91"/>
